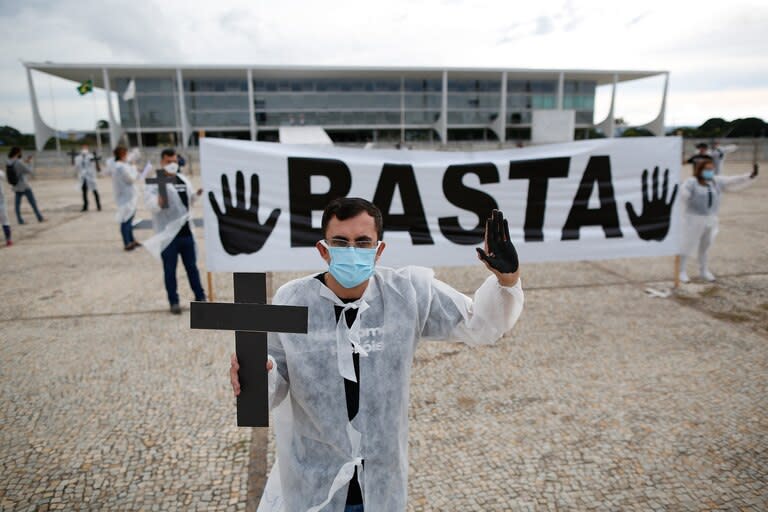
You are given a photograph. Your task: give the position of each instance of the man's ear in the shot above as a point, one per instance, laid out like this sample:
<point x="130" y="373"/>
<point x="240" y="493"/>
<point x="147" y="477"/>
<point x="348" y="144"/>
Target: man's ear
<point x="323" y="252"/>
<point x="382" y="245"/>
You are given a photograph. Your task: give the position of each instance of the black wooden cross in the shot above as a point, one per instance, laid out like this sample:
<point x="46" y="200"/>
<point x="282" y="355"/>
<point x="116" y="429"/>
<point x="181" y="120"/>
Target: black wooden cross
<point x="162" y="180"/>
<point x="96" y="159"/>
<point x="72" y="154"/>
<point x="251" y="318"/>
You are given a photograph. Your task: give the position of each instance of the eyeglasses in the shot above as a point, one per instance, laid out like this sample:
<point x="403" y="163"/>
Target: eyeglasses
<point x="360" y="243"/>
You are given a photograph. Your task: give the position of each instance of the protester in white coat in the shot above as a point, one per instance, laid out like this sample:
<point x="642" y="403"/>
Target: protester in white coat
<point x="340" y="392"/>
<point x="701" y="196"/>
<point x="85" y="166"/>
<point x="124" y="177"/>
<point x="173" y="229"/>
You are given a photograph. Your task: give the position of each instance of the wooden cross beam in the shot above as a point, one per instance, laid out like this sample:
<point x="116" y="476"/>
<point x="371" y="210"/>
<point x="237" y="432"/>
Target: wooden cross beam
<point x="251" y="318"/>
<point x="162" y="181"/>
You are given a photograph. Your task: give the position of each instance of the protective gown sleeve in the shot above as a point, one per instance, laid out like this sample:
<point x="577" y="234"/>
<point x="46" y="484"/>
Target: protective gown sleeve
<point x="452" y="316"/>
<point x="734" y="183"/>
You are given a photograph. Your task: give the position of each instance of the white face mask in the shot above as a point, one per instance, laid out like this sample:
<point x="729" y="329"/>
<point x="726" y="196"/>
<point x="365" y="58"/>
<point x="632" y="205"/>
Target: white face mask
<point x="171" y="168"/>
<point x="84" y="151"/>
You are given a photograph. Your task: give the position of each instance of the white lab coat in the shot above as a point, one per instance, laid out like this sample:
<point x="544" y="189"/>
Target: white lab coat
<point x="318" y="449"/>
<point x="167" y="221"/>
<point x="86" y="170"/>
<point x="700" y="224"/>
<point x="124" y="176"/>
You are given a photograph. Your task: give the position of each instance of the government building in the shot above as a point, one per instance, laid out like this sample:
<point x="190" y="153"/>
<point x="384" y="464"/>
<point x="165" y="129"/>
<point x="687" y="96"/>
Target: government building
<point x="153" y="104"/>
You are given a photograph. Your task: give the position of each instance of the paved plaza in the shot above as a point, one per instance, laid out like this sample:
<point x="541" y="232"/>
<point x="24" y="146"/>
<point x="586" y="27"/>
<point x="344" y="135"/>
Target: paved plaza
<point x="604" y="397"/>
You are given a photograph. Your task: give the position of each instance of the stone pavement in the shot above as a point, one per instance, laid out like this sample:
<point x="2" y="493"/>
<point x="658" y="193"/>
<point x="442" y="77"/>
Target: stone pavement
<point x="602" y="398"/>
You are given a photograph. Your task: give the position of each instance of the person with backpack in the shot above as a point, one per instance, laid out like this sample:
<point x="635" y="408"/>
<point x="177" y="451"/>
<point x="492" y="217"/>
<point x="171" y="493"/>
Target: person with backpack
<point x="4" y="213"/>
<point x="17" y="173"/>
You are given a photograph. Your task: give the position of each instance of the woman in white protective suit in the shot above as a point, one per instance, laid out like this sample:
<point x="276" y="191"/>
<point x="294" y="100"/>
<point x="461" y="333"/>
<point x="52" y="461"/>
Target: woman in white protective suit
<point x="340" y="392"/>
<point x="85" y="166"/>
<point x="701" y="195"/>
<point x="124" y="176"/>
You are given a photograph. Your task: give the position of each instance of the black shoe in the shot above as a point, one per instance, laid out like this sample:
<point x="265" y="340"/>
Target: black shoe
<point x="84" y="209"/>
<point x="175" y="309"/>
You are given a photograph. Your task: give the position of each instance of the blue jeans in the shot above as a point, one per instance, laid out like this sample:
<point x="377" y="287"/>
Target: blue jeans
<point x="183" y="246"/>
<point x="126" y="230"/>
<point x="31" y="198"/>
<point x="353" y="508"/>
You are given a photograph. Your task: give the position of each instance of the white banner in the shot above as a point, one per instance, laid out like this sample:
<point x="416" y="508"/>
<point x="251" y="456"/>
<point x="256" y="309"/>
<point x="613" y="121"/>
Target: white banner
<point x="595" y="199"/>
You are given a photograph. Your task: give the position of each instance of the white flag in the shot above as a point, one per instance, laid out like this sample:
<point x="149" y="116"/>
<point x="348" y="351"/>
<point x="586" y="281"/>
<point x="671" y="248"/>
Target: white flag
<point x="130" y="91"/>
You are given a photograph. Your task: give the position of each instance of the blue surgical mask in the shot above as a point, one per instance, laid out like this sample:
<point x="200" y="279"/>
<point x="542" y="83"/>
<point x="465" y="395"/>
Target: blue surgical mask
<point x="708" y="174"/>
<point x="351" y="266"/>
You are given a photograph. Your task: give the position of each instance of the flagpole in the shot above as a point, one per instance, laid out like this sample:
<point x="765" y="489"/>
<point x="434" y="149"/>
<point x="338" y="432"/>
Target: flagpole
<point x="96" y="118"/>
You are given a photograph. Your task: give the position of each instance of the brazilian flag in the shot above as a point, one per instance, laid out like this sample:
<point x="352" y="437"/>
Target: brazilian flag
<point x="85" y="87"/>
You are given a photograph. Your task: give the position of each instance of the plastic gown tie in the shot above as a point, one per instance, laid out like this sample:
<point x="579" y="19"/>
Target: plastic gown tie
<point x="347" y="337"/>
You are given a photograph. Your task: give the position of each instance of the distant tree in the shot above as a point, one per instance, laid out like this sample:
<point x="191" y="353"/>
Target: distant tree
<point x="636" y="132"/>
<point x="10" y="136"/>
<point x="102" y="124"/>
<point x="594" y="134"/>
<point x="713" y="127"/>
<point x="748" y="127"/>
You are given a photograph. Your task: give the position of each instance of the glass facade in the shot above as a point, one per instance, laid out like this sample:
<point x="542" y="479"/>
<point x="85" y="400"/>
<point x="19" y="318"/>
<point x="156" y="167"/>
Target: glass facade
<point x="221" y="104"/>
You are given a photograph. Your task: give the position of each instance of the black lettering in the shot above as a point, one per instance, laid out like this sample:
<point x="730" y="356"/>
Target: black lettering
<point x="303" y="202"/>
<point x="538" y="172"/>
<point x="413" y="218"/>
<point x="598" y="171"/>
<point x="470" y="199"/>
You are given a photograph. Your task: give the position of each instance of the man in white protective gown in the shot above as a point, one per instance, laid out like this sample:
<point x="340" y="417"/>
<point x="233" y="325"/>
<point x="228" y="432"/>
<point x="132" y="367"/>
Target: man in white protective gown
<point x="701" y="195"/>
<point x="172" y="222"/>
<point x="340" y="392"/>
<point x="85" y="166"/>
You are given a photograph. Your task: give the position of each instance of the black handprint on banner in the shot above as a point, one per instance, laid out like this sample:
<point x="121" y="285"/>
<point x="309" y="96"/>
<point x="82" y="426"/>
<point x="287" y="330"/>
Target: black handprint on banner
<point x="653" y="222"/>
<point x="239" y="228"/>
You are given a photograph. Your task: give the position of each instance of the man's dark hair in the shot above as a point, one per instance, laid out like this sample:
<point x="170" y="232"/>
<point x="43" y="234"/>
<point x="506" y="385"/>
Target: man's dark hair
<point x="345" y="208"/>
<point x="15" y="150"/>
<point x="702" y="145"/>
<point x="167" y="152"/>
<point x="119" y="152"/>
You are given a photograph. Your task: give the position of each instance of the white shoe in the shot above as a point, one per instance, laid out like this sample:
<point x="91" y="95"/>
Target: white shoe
<point x="684" y="277"/>
<point x="707" y="275"/>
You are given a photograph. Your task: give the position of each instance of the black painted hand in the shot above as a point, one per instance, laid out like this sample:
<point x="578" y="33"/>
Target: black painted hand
<point x="239" y="228"/>
<point x="653" y="223"/>
<point x="499" y="255"/>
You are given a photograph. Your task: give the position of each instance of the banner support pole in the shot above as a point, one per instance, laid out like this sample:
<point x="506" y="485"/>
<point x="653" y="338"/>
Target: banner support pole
<point x="677" y="272"/>
<point x="210" y="287"/>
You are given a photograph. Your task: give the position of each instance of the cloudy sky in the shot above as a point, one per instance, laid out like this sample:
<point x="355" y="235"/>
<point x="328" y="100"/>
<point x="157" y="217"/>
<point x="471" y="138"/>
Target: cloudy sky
<point x="715" y="51"/>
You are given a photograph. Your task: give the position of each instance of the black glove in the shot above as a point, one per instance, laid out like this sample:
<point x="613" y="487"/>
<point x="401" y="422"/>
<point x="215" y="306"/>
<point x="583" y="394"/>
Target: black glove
<point x="501" y="254"/>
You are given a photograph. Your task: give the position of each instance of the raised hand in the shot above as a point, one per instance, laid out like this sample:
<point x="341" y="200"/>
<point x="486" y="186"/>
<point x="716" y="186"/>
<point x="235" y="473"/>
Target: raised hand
<point x="239" y="228"/>
<point x="499" y="255"/>
<point x="653" y="222"/>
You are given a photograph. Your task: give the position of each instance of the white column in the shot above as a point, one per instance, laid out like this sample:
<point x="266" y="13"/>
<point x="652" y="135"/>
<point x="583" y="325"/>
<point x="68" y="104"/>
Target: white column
<point x="43" y="132"/>
<point x="499" y="125"/>
<point x="402" y="109"/>
<point x="560" y="90"/>
<point x="251" y="108"/>
<point x="444" y="111"/>
<point x="186" y="132"/>
<point x="114" y="127"/>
